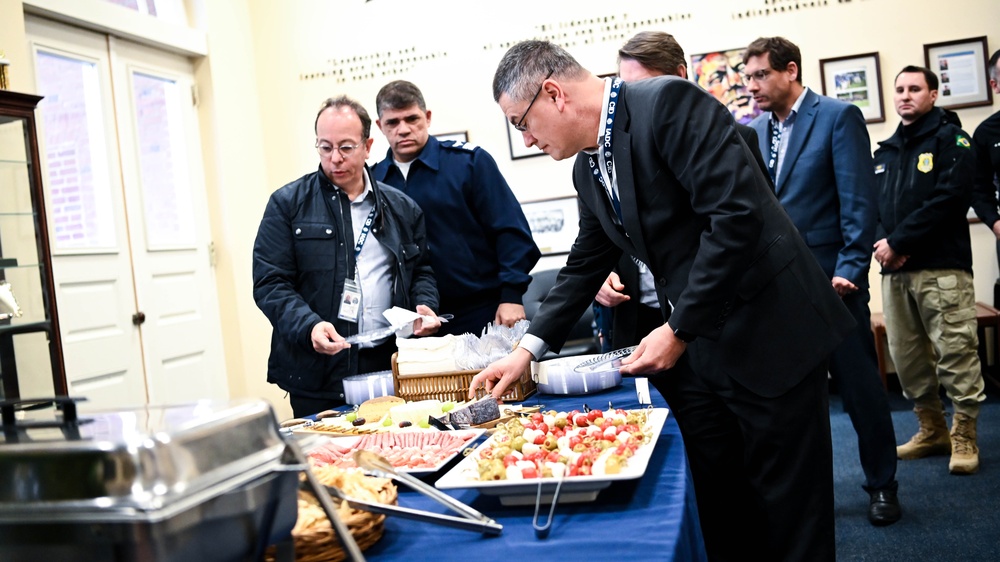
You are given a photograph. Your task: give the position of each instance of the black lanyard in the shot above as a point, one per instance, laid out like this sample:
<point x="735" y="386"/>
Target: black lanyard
<point x="605" y="150"/>
<point x="772" y="164"/>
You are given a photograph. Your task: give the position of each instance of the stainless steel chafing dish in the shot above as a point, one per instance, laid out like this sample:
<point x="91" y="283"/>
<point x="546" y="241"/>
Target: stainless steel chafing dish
<point x="195" y="482"/>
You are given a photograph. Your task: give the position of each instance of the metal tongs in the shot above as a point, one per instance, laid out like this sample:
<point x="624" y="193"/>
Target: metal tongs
<point x="376" y="465"/>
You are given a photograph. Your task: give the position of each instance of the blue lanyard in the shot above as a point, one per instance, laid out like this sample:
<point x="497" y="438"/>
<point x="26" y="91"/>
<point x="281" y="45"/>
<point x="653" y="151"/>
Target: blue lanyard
<point x="364" y="233"/>
<point x="362" y="238"/>
<point x="607" y="153"/>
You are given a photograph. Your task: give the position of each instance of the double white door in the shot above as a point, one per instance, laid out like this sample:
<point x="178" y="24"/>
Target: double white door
<point x="127" y="213"/>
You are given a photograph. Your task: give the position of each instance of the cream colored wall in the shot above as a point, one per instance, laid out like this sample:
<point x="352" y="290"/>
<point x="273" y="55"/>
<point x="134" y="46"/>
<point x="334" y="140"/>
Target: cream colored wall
<point x="15" y="46"/>
<point x="292" y="38"/>
<point x="236" y="163"/>
<point x="257" y="114"/>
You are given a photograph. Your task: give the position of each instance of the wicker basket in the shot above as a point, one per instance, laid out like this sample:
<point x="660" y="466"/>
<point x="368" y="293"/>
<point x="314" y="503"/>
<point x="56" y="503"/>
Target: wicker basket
<point x="453" y="385"/>
<point x="316" y="541"/>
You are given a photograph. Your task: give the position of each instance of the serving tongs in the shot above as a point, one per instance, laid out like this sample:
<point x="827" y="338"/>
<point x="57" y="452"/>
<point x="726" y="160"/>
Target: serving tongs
<point x="376" y="465"/>
<point x="485" y="527"/>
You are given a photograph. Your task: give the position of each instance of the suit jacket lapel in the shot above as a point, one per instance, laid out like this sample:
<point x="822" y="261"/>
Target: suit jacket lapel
<point x="626" y="180"/>
<point x="800" y="132"/>
<point x="626" y="192"/>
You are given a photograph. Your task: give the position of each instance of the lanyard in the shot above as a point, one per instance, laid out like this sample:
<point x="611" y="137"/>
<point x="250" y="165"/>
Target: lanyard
<point x="362" y="238"/>
<point x="772" y="164"/>
<point x="606" y="172"/>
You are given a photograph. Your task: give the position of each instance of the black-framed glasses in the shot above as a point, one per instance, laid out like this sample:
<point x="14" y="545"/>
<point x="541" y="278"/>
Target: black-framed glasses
<point x="520" y="126"/>
<point x="759" y="75"/>
<point x="326" y="149"/>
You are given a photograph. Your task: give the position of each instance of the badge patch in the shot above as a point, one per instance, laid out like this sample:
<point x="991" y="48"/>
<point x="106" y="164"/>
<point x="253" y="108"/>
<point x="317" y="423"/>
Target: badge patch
<point x="925" y="162"/>
<point x="962" y="141"/>
<point x="879" y="168"/>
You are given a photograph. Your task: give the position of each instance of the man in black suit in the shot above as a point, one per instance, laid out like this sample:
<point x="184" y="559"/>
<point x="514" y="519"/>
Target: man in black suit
<point x="629" y="294"/>
<point x="663" y="175"/>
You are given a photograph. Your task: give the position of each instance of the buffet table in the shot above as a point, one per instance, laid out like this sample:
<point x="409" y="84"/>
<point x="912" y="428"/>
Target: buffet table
<point x="654" y="517"/>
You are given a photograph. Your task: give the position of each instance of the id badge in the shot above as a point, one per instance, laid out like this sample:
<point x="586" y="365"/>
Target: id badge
<point x="350" y="304"/>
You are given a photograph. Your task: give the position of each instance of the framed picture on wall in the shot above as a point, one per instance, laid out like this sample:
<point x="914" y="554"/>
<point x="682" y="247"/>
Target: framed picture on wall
<point x="458" y="136"/>
<point x="554" y="223"/>
<point x="721" y="73"/>
<point x="963" y="79"/>
<point x="856" y="79"/>
<point x="516" y="143"/>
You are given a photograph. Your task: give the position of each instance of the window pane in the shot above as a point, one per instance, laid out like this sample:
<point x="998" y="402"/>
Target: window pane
<point x="131" y="4"/>
<point x="163" y="165"/>
<point x="78" y="180"/>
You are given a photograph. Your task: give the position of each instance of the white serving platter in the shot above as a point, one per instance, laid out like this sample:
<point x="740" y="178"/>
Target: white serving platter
<point x="351" y="442"/>
<point x="575" y="489"/>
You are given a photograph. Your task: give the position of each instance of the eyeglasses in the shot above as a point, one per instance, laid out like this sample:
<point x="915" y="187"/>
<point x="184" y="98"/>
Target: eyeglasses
<point x="520" y="126"/>
<point x="759" y="75"/>
<point x="326" y="149"/>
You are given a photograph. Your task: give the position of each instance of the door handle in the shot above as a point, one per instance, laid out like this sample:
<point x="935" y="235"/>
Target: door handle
<point x="139" y="318"/>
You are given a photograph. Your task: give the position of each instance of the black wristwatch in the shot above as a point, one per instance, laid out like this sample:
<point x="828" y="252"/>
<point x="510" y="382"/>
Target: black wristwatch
<point x="686" y="337"/>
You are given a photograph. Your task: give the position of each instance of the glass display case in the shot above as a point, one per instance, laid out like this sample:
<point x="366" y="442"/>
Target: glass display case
<point x="31" y="362"/>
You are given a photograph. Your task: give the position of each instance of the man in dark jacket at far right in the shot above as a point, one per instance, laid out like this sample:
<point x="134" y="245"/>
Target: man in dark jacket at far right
<point x="924" y="174"/>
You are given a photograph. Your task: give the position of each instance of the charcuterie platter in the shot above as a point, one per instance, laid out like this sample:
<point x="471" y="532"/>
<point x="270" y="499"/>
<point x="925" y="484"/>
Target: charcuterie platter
<point x="413" y="452"/>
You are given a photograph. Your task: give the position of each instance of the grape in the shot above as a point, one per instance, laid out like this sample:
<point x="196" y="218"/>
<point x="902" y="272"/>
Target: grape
<point x="424" y="424"/>
<point x="351" y="416"/>
<point x="387" y="422"/>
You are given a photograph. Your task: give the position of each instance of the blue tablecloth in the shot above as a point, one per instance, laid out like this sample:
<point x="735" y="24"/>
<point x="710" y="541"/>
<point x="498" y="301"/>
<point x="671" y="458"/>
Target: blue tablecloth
<point x="653" y="518"/>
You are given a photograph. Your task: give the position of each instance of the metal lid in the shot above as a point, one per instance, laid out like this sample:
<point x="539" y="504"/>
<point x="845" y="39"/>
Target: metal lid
<point x="147" y="463"/>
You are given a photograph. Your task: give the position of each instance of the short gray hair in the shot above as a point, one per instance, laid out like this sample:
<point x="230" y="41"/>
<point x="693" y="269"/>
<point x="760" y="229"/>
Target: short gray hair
<point x="525" y="66"/>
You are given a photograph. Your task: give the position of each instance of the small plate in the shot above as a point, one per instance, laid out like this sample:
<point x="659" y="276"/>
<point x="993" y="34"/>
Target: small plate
<point x="574" y="489"/>
<point x="349" y="444"/>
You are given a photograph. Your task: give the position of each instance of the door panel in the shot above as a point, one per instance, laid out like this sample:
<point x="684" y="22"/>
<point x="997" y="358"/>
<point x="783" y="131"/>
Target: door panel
<point x="91" y="265"/>
<point x="168" y="224"/>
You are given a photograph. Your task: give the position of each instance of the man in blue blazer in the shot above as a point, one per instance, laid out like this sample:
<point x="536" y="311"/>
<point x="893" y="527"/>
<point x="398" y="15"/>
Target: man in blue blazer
<point x="818" y="153"/>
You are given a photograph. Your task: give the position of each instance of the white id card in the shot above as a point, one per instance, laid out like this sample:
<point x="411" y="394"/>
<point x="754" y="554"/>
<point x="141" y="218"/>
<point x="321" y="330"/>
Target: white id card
<point x="350" y="304"/>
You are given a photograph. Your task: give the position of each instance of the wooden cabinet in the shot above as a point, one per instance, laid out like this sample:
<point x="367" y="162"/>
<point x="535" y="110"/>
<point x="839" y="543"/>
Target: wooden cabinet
<point x="31" y="362"/>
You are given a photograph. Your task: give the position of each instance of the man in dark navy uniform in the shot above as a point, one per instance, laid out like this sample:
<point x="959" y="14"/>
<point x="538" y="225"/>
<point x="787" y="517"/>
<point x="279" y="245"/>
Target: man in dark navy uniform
<point x="480" y="244"/>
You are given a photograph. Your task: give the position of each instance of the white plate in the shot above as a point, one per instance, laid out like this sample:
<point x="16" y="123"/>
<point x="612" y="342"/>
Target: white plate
<point x="574" y="488"/>
<point x="349" y="442"/>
